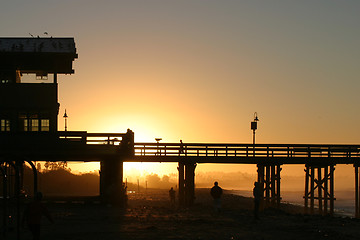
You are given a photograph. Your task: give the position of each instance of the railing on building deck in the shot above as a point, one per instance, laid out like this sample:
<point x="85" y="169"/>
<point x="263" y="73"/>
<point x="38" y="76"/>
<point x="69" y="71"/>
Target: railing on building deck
<point x="246" y="150"/>
<point x="91" y="138"/>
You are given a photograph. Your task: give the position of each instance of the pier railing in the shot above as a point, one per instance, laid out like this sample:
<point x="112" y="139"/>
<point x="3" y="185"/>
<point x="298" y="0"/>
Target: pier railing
<point x="216" y="150"/>
<point x="246" y="150"/>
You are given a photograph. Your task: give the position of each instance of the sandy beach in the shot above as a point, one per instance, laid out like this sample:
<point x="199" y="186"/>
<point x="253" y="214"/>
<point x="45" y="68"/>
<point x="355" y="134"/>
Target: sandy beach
<point x="150" y="216"/>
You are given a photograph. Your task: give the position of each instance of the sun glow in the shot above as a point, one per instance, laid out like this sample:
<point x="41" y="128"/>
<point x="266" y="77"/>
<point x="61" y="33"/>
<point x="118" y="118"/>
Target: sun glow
<point x="84" y="167"/>
<point x="140" y="169"/>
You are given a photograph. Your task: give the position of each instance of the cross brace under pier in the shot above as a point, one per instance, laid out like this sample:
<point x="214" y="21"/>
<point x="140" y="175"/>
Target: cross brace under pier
<point x="319" y="186"/>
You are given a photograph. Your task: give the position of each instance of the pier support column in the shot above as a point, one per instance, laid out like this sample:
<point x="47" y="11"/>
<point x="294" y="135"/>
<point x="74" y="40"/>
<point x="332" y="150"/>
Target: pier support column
<point x="319" y="185"/>
<point x="35" y="177"/>
<point x="269" y="179"/>
<point x="181" y="194"/>
<point x="189" y="184"/>
<point x="111" y="181"/>
<point x="4" y="200"/>
<point x="357" y="191"/>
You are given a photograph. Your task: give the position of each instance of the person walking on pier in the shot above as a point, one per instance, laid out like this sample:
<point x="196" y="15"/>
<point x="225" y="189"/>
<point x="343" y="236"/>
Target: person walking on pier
<point x="33" y="214"/>
<point x="181" y="149"/>
<point x="216" y="193"/>
<point x="257" y="199"/>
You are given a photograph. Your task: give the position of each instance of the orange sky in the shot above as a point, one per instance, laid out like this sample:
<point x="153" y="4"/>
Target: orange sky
<point x="198" y="71"/>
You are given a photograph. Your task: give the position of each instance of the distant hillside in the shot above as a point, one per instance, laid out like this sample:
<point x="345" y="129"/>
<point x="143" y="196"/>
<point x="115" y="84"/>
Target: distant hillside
<point x="62" y="182"/>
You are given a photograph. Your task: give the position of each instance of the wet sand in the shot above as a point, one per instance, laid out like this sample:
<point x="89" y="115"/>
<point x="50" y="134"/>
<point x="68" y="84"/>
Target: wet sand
<point x="150" y="216"/>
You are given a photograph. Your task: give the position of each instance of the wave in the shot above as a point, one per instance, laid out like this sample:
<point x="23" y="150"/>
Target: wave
<point x="344" y="204"/>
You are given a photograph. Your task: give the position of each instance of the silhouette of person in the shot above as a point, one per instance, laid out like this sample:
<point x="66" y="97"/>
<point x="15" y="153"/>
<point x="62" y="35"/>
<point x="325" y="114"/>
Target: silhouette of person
<point x="181" y="150"/>
<point x="124" y="196"/>
<point x="172" y="197"/>
<point x="216" y="193"/>
<point x="33" y="214"/>
<point x="257" y="199"/>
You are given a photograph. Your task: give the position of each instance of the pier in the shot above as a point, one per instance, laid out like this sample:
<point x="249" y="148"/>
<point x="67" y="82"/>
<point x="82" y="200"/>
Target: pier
<point x="113" y="149"/>
<point x="29" y="133"/>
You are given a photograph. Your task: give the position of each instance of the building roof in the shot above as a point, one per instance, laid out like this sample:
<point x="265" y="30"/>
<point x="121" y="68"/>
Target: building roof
<point x="32" y="55"/>
<point x="38" y="45"/>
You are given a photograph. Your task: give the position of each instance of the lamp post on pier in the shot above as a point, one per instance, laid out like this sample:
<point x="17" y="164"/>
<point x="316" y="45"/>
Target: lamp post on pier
<point x="253" y="128"/>
<point x="254" y="125"/>
<point x="65" y="118"/>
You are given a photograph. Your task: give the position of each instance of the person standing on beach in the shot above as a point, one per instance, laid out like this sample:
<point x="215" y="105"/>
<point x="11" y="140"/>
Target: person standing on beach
<point x="172" y="197"/>
<point x="33" y="214"/>
<point x="257" y="198"/>
<point x="216" y="193"/>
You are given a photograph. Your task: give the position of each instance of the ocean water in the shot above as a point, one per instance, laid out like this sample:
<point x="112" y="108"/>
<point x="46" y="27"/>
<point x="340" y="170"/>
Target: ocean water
<point x="344" y="204"/>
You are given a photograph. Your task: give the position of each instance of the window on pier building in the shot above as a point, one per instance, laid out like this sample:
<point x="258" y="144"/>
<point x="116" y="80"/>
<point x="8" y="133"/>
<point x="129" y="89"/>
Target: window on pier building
<point x="33" y="123"/>
<point x="45" y="125"/>
<point x="4" y="125"/>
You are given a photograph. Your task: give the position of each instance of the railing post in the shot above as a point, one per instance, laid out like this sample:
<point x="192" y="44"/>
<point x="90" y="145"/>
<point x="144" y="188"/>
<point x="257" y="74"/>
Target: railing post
<point x="288" y="152"/>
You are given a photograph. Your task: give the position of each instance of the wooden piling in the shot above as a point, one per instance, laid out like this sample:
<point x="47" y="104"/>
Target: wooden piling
<point x="331" y="176"/>
<point x="326" y="190"/>
<point x="272" y="185"/>
<point x="356" y="191"/>
<point x="320" y="189"/>
<point x="189" y="183"/>
<point x="306" y="196"/>
<point x="267" y="185"/>
<point x="312" y="172"/>
<point x="181" y="183"/>
<point x="278" y="178"/>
